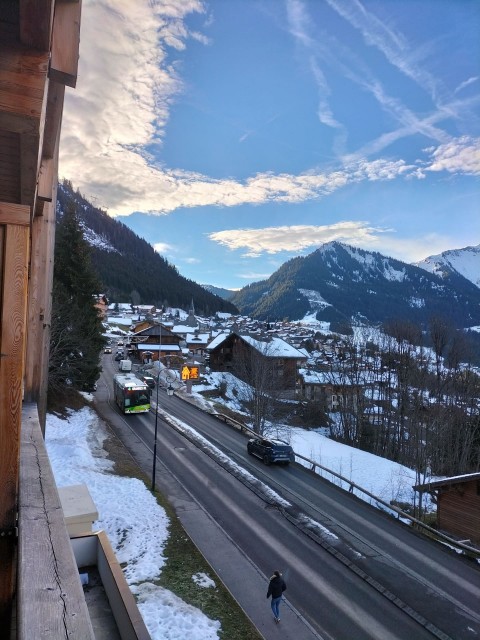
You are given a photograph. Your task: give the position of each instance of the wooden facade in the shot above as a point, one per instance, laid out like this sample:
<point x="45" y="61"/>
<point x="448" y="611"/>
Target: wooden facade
<point x="235" y="351"/>
<point x="39" y="48"/>
<point x="154" y="341"/>
<point x="458" y="505"/>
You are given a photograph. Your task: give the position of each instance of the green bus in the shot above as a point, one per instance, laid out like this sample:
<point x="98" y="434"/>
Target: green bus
<point x="131" y="394"/>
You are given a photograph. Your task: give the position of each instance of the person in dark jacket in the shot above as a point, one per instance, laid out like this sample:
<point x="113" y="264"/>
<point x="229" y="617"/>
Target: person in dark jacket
<point x="276" y="587"/>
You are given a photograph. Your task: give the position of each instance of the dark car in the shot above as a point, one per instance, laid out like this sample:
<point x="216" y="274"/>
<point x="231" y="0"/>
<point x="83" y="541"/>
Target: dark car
<point x="148" y="381"/>
<point x="118" y="357"/>
<point x="270" y="450"/>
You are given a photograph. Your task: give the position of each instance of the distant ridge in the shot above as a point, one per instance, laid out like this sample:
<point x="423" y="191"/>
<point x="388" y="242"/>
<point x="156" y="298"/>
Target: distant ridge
<point x="341" y="284"/>
<point x="226" y="294"/>
<point x="128" y="267"/>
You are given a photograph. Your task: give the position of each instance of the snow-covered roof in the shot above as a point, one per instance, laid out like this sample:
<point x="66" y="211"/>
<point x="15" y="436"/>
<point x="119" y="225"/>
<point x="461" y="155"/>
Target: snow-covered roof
<point x="446" y="481"/>
<point x="217" y="340"/>
<point x="201" y="338"/>
<point x="182" y="329"/>
<point x="158" y="347"/>
<point x="325" y="377"/>
<point x="274" y="348"/>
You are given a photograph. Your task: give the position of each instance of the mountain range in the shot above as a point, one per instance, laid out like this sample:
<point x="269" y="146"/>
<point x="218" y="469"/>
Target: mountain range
<point x="339" y="284"/>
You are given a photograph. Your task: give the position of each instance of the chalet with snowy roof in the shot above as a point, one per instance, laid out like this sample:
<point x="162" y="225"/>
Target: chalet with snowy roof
<point x="197" y="342"/>
<point x="145" y="309"/>
<point x="123" y="307"/>
<point x="183" y="330"/>
<point x="231" y="352"/>
<point x="154" y="342"/>
<point x="458" y="505"/>
<point x="327" y="388"/>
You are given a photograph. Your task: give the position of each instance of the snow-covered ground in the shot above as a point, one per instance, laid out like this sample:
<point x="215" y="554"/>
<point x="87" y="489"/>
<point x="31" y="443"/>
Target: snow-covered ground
<point x="383" y="478"/>
<point x="136" y="525"/>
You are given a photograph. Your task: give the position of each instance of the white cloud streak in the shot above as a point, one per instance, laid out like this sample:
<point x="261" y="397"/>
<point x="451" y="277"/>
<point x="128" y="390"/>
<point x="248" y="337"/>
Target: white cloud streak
<point x="294" y="238"/>
<point x="163" y="248"/>
<point x="458" y="156"/>
<point x="392" y="44"/>
<point x="398" y="52"/>
<point x="127" y="85"/>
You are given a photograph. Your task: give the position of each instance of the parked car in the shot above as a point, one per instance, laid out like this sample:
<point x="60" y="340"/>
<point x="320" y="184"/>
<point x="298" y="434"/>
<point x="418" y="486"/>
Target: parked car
<point x="270" y="451"/>
<point x="107" y="350"/>
<point x="148" y="380"/>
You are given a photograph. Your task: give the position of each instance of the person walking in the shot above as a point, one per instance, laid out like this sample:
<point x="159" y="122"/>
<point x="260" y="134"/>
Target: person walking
<point x="276" y="587"/>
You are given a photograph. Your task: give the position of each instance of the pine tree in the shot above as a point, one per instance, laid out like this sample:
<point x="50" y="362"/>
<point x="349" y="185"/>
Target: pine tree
<point x="76" y="335"/>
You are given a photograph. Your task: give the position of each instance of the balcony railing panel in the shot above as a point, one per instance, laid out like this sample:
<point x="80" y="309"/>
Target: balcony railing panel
<point x="50" y="599"/>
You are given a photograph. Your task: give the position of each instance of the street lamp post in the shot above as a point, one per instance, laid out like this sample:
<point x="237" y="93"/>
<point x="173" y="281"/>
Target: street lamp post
<point x="154" y="468"/>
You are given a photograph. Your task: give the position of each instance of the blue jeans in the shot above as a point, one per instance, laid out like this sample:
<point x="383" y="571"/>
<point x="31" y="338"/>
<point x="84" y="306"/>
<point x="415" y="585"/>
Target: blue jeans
<point x="276" y="606"/>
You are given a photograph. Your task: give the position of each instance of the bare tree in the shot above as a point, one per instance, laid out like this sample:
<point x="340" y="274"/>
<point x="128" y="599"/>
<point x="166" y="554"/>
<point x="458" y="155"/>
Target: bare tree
<point x="257" y="369"/>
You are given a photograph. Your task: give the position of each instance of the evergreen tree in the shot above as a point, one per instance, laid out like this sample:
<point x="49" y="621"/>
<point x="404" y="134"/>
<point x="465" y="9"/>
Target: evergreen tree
<point x="76" y="335"/>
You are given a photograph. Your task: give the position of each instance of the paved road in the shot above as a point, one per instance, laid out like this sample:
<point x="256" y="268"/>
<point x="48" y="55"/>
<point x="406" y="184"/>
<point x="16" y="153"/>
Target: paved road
<point x="245" y="536"/>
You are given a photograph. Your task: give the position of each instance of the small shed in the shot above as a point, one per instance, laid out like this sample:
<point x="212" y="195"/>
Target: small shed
<point x="458" y="504"/>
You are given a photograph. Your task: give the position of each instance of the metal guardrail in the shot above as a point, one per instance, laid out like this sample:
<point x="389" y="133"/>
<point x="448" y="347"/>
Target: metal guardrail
<point x="353" y="485"/>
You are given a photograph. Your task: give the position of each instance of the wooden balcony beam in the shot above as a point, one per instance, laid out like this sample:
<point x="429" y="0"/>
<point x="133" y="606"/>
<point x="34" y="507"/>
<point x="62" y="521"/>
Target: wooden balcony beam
<point x="65" y="43"/>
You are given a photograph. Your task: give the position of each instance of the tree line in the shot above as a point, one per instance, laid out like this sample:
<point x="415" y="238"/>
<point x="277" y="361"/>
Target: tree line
<point x="124" y="262"/>
<point x="411" y="397"/>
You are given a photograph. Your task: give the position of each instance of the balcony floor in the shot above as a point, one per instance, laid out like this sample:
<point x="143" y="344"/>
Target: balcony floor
<point x="101" y="615"/>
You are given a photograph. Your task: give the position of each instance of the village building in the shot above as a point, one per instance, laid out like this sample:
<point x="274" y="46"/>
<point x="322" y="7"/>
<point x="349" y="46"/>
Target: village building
<point x="154" y="342"/>
<point x="197" y="343"/>
<point x="458" y="505"/>
<point x="230" y="352"/>
<point x="329" y="389"/>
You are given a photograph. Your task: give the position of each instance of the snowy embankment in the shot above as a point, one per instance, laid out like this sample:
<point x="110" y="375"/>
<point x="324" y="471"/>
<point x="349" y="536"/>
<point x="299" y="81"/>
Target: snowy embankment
<point x="136" y="525"/>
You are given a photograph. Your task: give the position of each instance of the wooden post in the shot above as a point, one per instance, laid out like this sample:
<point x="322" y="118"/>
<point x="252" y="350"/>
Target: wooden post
<point x="14" y="246"/>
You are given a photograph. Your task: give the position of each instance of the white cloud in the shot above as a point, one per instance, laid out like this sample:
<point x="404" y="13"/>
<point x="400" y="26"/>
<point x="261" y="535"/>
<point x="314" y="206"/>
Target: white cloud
<point x="251" y="275"/>
<point x="466" y="83"/>
<point x="163" y="247"/>
<point x="458" y="156"/>
<point x="294" y="238"/>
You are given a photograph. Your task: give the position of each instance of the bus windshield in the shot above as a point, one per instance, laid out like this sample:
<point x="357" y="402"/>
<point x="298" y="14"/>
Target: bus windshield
<point x="135" y="397"/>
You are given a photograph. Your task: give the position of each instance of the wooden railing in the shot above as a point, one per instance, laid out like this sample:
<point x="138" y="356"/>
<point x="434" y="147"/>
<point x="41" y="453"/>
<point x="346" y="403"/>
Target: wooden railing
<point x="50" y="599"/>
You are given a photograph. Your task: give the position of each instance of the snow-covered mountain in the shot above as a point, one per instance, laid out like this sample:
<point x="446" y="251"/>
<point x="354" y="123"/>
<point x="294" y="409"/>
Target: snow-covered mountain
<point x="339" y="284"/>
<point x="465" y="262"/>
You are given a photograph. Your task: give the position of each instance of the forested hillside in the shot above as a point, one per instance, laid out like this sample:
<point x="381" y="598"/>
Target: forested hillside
<point x="128" y="268"/>
<point x="341" y="284"/>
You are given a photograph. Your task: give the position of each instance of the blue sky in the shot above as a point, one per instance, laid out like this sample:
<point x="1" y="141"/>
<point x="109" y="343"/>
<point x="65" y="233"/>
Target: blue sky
<point x="236" y="134"/>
